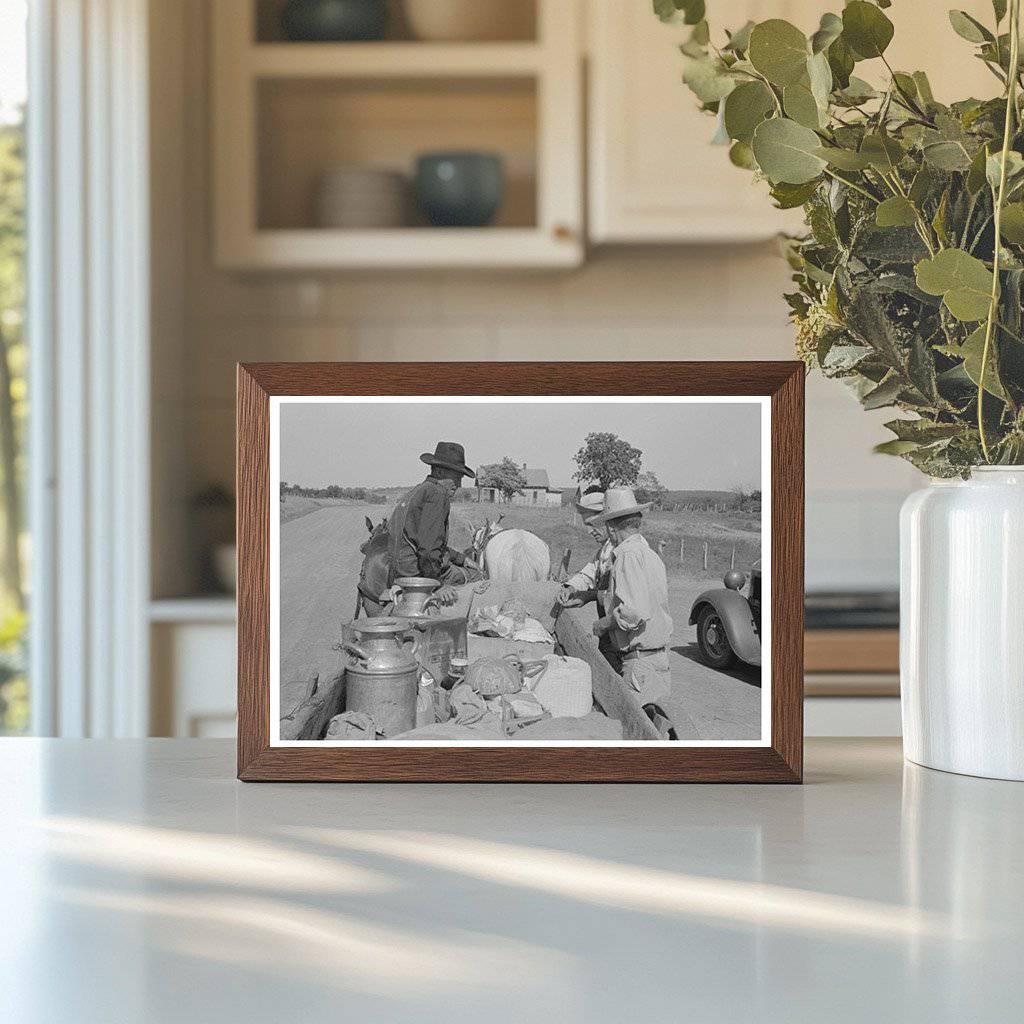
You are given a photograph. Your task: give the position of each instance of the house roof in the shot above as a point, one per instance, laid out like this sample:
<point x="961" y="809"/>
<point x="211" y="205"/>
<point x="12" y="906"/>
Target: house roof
<point x="536" y="478"/>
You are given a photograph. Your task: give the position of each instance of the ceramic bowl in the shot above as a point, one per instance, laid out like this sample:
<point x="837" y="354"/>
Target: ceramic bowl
<point x="358" y="197"/>
<point x="333" y="21"/>
<point x="460" y="189"/>
<point x="471" y="20"/>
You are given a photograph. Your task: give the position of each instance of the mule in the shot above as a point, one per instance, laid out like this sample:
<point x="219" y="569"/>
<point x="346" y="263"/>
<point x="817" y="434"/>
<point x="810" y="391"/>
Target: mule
<point x="373" y="575"/>
<point x="510" y="554"/>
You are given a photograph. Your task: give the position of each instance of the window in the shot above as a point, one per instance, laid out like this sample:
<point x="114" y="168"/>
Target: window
<point x="14" y="693"/>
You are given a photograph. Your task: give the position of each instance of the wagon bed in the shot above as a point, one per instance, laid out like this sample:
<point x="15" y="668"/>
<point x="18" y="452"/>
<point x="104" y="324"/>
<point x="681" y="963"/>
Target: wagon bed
<point x="571" y="628"/>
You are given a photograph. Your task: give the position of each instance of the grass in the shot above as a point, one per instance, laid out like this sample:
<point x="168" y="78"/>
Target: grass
<point x="723" y="532"/>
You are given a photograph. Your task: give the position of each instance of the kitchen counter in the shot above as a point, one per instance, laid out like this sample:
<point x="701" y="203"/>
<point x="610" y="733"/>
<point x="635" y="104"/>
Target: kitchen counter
<point x="140" y="882"/>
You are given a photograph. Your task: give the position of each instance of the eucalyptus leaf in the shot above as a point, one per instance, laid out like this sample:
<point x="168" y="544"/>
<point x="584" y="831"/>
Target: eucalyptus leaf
<point x="963" y="281"/>
<point x="739" y="41"/>
<point x="895" y="212"/>
<point x="895" y="447"/>
<point x="787" y="152"/>
<point x="779" y="51"/>
<point x="969" y="28"/>
<point x="883" y="152"/>
<point x="884" y="395"/>
<point x="857" y="91"/>
<point x="741" y="155"/>
<point x="841" y="62"/>
<point x="690" y="12"/>
<point x="829" y="30"/>
<point x="972" y="351"/>
<point x="922" y="185"/>
<point x="788" y="196"/>
<point x="947" y="156"/>
<point x="708" y="80"/>
<point x="701" y="34"/>
<point x="993" y="167"/>
<point x="801" y="106"/>
<point x="745" y="108"/>
<point x="976" y="174"/>
<point x="924" y="87"/>
<point x="844" y="159"/>
<point x="1012" y="223"/>
<point x="866" y="29"/>
<point x="819" y="75"/>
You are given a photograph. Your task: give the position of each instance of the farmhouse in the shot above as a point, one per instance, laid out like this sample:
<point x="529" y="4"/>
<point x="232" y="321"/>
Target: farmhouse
<point x="538" y="490"/>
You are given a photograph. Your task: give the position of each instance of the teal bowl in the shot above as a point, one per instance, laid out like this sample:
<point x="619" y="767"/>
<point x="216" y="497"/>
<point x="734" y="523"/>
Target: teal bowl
<point x="334" y="21"/>
<point x="462" y="190"/>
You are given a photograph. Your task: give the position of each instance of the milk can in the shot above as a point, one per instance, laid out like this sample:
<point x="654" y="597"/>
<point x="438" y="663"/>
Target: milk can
<point x="413" y="595"/>
<point x="381" y="679"/>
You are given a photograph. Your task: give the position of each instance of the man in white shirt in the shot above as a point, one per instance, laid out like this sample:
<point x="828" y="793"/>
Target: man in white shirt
<point x="637" y="621"/>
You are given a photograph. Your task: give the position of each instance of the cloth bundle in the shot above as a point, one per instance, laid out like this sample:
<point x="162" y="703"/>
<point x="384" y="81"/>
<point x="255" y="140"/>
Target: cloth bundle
<point x="351" y="725"/>
<point x="565" y="688"/>
<point x="507" y="623"/>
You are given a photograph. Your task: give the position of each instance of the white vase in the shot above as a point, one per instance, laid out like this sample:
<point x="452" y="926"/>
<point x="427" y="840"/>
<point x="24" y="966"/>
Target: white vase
<point x="962" y="624"/>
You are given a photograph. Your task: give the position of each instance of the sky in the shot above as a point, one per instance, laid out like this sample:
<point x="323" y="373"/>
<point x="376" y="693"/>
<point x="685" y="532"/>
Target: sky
<point x="12" y="57"/>
<point x="707" y="446"/>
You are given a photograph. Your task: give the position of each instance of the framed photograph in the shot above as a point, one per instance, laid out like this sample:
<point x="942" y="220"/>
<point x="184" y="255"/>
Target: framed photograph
<point x="564" y="572"/>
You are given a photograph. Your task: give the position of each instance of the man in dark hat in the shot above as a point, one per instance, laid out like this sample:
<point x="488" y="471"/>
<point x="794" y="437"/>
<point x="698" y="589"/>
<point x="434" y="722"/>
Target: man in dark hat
<point x="418" y="528"/>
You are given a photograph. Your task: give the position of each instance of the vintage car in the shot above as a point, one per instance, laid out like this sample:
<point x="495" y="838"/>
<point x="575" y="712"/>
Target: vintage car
<point x="728" y="620"/>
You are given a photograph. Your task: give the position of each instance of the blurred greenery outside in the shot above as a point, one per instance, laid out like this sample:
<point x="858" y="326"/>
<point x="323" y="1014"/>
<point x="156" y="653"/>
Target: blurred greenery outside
<point x="14" y="691"/>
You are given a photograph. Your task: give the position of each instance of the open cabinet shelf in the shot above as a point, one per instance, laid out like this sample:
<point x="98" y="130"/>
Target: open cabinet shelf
<point x="393" y="60"/>
<point x="287" y="114"/>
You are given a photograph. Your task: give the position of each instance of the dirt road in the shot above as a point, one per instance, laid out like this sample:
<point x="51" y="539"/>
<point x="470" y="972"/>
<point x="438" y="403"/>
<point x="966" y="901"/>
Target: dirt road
<point x="320" y="563"/>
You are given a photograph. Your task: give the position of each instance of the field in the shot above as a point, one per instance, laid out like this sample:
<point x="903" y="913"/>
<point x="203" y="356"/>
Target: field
<point x="295" y="506"/>
<point x="723" y="532"/>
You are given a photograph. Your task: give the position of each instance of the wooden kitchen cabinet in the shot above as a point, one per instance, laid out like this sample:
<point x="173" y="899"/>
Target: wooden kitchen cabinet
<point x="654" y="177"/>
<point x="286" y="114"/>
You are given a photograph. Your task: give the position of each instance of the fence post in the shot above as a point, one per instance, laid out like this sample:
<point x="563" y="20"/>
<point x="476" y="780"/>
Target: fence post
<point x="705" y="555"/>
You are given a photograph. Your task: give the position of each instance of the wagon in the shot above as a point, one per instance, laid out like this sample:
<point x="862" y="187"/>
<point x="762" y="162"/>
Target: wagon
<point x="572" y="631"/>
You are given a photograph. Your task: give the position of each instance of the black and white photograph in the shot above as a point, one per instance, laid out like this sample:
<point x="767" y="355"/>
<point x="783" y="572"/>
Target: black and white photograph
<point x="577" y="571"/>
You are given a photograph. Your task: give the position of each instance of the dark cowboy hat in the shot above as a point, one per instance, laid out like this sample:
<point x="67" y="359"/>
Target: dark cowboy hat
<point x="450" y="455"/>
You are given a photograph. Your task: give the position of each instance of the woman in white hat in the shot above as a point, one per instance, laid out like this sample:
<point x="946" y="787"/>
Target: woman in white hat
<point x="591" y="582"/>
<point x="637" y="622"/>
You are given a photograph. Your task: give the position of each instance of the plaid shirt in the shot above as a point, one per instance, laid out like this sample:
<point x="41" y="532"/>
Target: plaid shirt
<point x="594" y="575"/>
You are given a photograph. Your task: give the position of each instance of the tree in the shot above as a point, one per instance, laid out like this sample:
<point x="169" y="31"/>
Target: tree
<point x="649" y="488"/>
<point x="609" y="460"/>
<point x="12" y="348"/>
<point x="506" y="476"/>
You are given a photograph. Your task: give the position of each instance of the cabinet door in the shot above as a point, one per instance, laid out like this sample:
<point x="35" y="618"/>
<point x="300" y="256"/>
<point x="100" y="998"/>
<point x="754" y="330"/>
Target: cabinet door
<point x="654" y="177"/>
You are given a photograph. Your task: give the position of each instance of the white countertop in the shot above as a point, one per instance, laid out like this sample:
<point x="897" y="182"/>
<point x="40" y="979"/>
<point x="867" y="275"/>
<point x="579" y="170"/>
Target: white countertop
<point x="140" y="882"/>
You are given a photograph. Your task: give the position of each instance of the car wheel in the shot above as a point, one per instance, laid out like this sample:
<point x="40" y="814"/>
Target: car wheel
<point x="713" y="640"/>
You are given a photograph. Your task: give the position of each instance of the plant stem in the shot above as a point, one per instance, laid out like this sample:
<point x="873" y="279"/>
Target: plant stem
<point x="853" y="185"/>
<point x="1011" y="108"/>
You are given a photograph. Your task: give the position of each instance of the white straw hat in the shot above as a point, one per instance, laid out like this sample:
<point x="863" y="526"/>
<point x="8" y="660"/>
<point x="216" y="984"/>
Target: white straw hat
<point x="588" y="504"/>
<point x="618" y="503"/>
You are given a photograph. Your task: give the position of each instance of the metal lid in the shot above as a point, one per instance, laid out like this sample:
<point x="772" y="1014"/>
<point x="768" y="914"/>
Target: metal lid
<point x="417" y="583"/>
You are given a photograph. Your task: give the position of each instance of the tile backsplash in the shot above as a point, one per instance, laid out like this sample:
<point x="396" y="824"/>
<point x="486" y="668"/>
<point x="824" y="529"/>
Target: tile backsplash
<point x="708" y="303"/>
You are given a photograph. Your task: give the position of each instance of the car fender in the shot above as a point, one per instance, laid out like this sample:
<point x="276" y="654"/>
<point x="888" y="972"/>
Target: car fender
<point x="734" y="611"/>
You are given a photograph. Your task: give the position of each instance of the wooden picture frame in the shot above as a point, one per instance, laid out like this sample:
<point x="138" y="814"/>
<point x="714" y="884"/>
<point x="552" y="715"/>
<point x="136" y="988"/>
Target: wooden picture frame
<point x="780" y="759"/>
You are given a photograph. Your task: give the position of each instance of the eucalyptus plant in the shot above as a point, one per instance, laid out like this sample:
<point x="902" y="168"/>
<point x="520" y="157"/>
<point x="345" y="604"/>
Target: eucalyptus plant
<point x="910" y="278"/>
